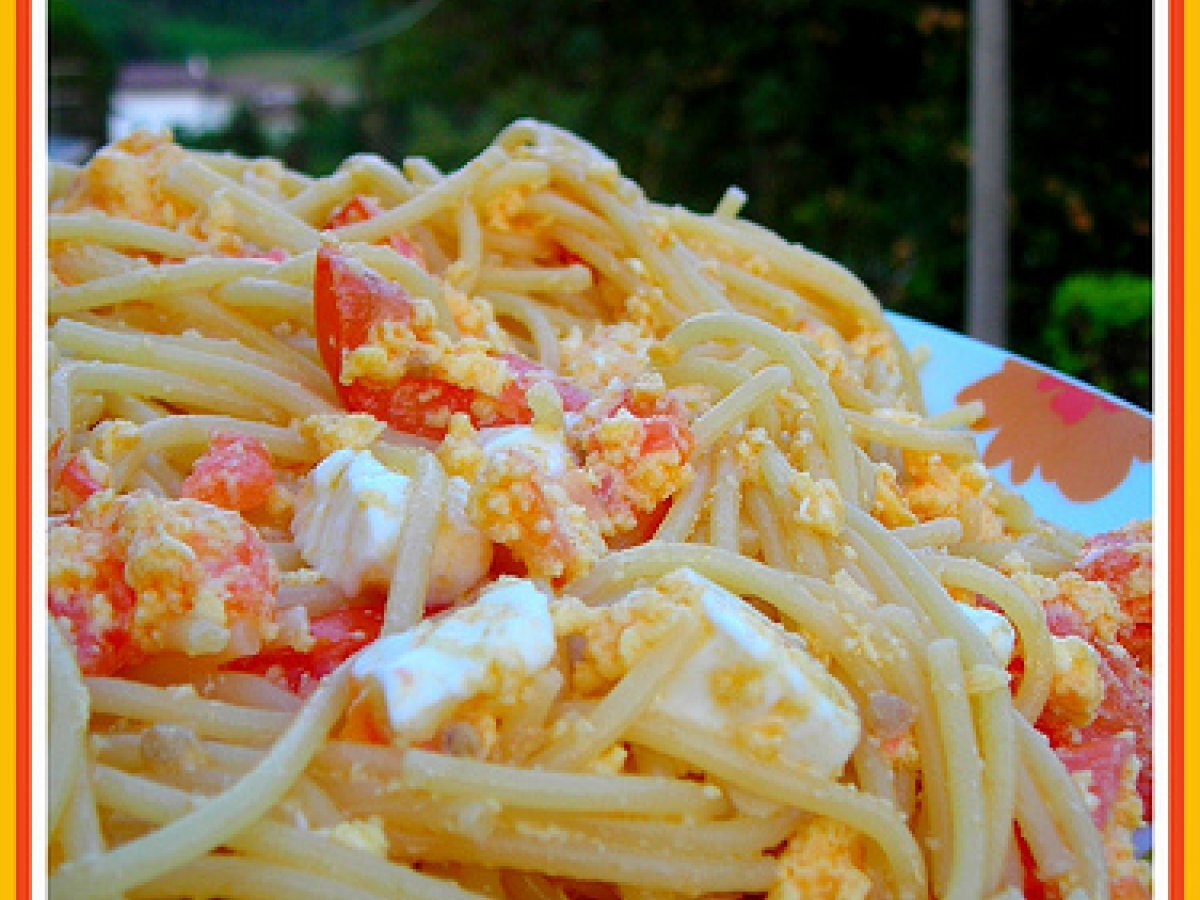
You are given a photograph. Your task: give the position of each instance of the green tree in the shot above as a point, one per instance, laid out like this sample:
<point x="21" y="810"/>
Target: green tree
<point x="1081" y="151"/>
<point x="82" y="72"/>
<point x="1098" y="329"/>
<point x="242" y="134"/>
<point x="845" y="121"/>
<point x="325" y="135"/>
<point x="784" y="99"/>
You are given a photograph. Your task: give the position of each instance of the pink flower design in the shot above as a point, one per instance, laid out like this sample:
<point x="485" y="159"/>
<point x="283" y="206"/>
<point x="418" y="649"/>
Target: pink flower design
<point x="1079" y="441"/>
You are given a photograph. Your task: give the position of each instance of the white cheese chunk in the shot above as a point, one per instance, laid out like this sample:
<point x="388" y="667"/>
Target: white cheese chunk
<point x="347" y="526"/>
<point x="996" y="629"/>
<point x="753" y="684"/>
<point x="414" y="681"/>
<point x="545" y="445"/>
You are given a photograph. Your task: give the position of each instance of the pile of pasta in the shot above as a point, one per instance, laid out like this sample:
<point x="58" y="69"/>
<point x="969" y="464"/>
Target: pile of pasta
<point x="504" y="533"/>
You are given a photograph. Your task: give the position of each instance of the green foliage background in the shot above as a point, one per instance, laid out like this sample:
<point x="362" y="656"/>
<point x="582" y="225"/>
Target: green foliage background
<point x="846" y="121"/>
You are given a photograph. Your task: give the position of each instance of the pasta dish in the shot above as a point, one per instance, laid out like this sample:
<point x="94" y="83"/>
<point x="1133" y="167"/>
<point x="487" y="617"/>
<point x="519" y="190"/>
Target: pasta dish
<point x="504" y="533"/>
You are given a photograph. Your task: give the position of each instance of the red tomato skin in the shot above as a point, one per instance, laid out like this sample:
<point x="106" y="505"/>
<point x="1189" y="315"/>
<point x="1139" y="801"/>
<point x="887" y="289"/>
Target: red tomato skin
<point x="526" y="372"/>
<point x="1127" y="704"/>
<point x="423" y="406"/>
<point x="76" y="482"/>
<point x="337" y="636"/>
<point x="1103" y="757"/>
<point x="360" y="208"/>
<point x="1031" y="887"/>
<point x="234" y="473"/>
<point x="1122" y="560"/>
<point x="105" y="644"/>
<point x="107" y="650"/>
<point x="350" y="300"/>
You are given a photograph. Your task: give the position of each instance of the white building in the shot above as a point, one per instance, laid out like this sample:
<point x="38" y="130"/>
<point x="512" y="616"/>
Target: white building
<point x="154" y="96"/>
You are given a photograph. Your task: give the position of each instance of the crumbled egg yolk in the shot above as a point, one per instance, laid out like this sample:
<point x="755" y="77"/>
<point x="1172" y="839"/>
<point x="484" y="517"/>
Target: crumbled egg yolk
<point x="1095" y="602"/>
<point x="937" y="489"/>
<point x="643" y="305"/>
<point x="394" y="349"/>
<point x="461" y="452"/>
<point x="1077" y="689"/>
<point x="609" y="353"/>
<point x="819" y="504"/>
<point x="528" y="494"/>
<point x="890" y="507"/>
<point x="474" y="317"/>
<point x="125" y="179"/>
<point x="176" y="574"/>
<point x="823" y="861"/>
<point x="501" y="211"/>
<point x="366" y="835"/>
<point x="831" y="356"/>
<point x="634" y="442"/>
<point x="331" y="432"/>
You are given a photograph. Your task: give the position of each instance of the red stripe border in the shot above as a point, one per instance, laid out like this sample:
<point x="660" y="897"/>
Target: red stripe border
<point x="23" y="473"/>
<point x="1176" y="316"/>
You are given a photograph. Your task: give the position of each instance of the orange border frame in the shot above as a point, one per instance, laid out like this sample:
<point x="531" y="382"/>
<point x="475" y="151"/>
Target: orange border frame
<point x="23" y="596"/>
<point x="18" y="797"/>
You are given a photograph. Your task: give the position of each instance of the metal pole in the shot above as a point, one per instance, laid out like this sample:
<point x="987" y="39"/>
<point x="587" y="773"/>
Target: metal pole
<point x="987" y="304"/>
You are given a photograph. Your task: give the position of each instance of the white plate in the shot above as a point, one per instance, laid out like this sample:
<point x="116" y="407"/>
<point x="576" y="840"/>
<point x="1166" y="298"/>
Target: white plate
<point x="1081" y="457"/>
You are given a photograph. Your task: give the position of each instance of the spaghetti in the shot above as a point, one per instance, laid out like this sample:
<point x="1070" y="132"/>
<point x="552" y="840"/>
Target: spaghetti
<point x="504" y="533"/>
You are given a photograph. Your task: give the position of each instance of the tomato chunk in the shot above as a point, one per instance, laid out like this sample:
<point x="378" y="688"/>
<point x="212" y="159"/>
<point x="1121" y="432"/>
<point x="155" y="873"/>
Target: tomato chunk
<point x="76" y="482"/>
<point x="350" y="300"/>
<point x="1122" y="560"/>
<point x="1128" y="698"/>
<point x="103" y="644"/>
<point x="1103" y="757"/>
<point x="526" y="373"/>
<point x="135" y="575"/>
<point x="337" y="636"/>
<point x="360" y="208"/>
<point x="636" y="446"/>
<point x="234" y="473"/>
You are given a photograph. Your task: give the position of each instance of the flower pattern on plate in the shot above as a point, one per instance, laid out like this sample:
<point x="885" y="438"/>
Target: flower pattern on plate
<point x="1081" y="441"/>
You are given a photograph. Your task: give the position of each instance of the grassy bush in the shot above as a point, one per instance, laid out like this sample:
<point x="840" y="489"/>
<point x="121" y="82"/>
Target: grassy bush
<point x="1100" y="329"/>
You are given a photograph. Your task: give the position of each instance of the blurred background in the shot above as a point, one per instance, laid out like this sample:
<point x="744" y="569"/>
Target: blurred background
<point x="846" y="121"/>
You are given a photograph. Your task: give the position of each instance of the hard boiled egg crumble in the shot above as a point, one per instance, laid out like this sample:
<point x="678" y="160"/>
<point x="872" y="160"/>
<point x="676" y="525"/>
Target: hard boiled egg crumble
<point x="134" y="575"/>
